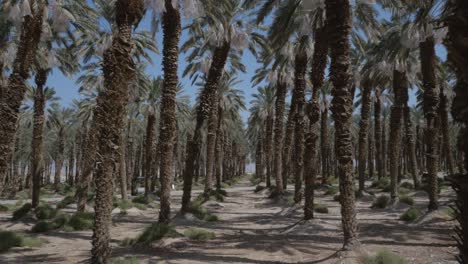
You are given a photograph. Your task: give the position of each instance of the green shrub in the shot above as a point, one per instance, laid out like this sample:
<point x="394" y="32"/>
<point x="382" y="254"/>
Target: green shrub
<point x="381" y="202"/>
<point x="66" y="202"/>
<point x="82" y="221"/>
<point x="384" y="257"/>
<point x="42" y="226"/>
<point x="211" y="218"/>
<point x="156" y="232"/>
<point x="382" y="183"/>
<point x="141" y="199"/>
<point x="201" y="213"/>
<point x="332" y="190"/>
<point x="4" y="208"/>
<point x="21" y="212"/>
<point x="411" y="214"/>
<point x="10" y="239"/>
<point x="45" y="211"/>
<point x="198" y="234"/>
<point x="61" y="220"/>
<point x="407" y="200"/>
<point x="259" y="188"/>
<point x="403" y="191"/>
<point x="125" y="261"/>
<point x="336" y="198"/>
<point x="255" y="180"/>
<point x="321" y="208"/>
<point x="450" y="212"/>
<point x="407" y="185"/>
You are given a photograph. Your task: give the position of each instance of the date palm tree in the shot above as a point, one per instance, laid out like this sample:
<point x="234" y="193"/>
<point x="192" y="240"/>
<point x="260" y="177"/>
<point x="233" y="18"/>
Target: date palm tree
<point x="339" y="18"/>
<point x="118" y="68"/>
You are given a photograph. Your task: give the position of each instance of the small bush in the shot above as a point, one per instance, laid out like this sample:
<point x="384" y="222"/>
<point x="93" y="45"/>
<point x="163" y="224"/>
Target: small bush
<point x="156" y="232"/>
<point x="259" y="188"/>
<point x="211" y="218"/>
<point x="10" y="239"/>
<point x="82" y="221"/>
<point x="403" y="191"/>
<point x="381" y="184"/>
<point x="4" y="208"/>
<point x="450" y="212"/>
<point x="66" y="202"/>
<point x="21" y="212"/>
<point x="411" y="214"/>
<point x="42" y="226"/>
<point x="255" y="180"/>
<point x="336" y="198"/>
<point x="141" y="199"/>
<point x="407" y="200"/>
<point x="201" y="213"/>
<point x="321" y="208"/>
<point x="407" y="185"/>
<point x="384" y="257"/>
<point x="332" y="190"/>
<point x="45" y="211"/>
<point x="125" y="261"/>
<point x="61" y="220"/>
<point x="198" y="234"/>
<point x="381" y="202"/>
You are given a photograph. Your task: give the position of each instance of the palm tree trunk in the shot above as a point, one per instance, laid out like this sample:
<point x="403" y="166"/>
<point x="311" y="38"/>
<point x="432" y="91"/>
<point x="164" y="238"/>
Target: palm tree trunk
<point x="280" y="103"/>
<point x="339" y="22"/>
<point x="445" y="126"/>
<point x="396" y="120"/>
<point x="430" y="107"/>
<point x="123" y="170"/>
<point x="220" y="57"/>
<point x="168" y="131"/>
<point x="87" y="166"/>
<point x="288" y="141"/>
<point x="268" y="144"/>
<point x="211" y="142"/>
<point x="319" y="63"/>
<point x="37" y="145"/>
<point x="149" y="155"/>
<point x="12" y="93"/>
<point x="324" y="148"/>
<point x="118" y="69"/>
<point x="364" y="134"/>
<point x="59" y="161"/>
<point x="219" y="143"/>
<point x="411" y="146"/>
<point x="378" y="134"/>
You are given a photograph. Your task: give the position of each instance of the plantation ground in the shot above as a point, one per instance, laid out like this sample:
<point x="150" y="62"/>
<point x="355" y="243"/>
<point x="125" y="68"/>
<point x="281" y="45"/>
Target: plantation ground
<point x="253" y="229"/>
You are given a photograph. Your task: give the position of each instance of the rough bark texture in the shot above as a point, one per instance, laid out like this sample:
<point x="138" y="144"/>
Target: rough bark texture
<point x="364" y="134"/>
<point x="445" y="126"/>
<point x="149" y="154"/>
<point x="324" y="144"/>
<point x="396" y="120"/>
<point x="168" y="131"/>
<point x="280" y="105"/>
<point x="411" y="146"/>
<point x="37" y="155"/>
<point x="118" y="70"/>
<point x="219" y="153"/>
<point x="378" y="133"/>
<point x="430" y="107"/>
<point x="87" y="167"/>
<point x="12" y="93"/>
<point x="299" y="129"/>
<point x="220" y="56"/>
<point x="59" y="160"/>
<point x="319" y="62"/>
<point x="211" y="138"/>
<point x="457" y="47"/>
<point x="288" y="141"/>
<point x="267" y="144"/>
<point x="339" y="23"/>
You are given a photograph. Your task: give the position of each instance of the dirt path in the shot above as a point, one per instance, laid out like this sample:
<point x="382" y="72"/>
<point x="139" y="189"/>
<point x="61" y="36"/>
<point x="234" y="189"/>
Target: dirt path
<point x="253" y="229"/>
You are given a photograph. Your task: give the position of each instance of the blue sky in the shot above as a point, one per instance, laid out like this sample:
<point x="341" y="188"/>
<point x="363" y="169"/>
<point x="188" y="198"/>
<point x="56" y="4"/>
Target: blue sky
<point x="67" y="89"/>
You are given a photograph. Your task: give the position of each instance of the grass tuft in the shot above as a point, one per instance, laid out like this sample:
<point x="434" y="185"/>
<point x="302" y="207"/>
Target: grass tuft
<point x="321" y="208"/>
<point x="384" y="257"/>
<point x="259" y="188"/>
<point x="381" y="202"/>
<point x="332" y="191"/>
<point x="45" y="211"/>
<point x="81" y="221"/>
<point x="411" y="214"/>
<point x="199" y="234"/>
<point x="155" y="232"/>
<point x="21" y="212"/>
<point x="66" y="202"/>
<point x="407" y="200"/>
<point x="141" y="199"/>
<point x="10" y="240"/>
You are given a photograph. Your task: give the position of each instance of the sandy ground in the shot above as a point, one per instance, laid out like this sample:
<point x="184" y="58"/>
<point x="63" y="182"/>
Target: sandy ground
<point x="253" y="229"/>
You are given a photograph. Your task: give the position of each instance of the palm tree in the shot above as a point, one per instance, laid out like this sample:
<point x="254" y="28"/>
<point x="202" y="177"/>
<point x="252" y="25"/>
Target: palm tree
<point x="118" y="69"/>
<point x="172" y="30"/>
<point x="457" y="57"/>
<point x="339" y="22"/>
